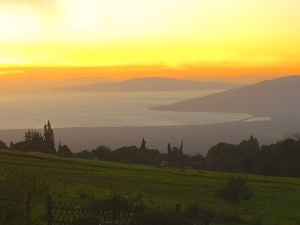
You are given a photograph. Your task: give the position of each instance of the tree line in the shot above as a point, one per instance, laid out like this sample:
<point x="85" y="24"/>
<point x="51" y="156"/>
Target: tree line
<point x="279" y="159"/>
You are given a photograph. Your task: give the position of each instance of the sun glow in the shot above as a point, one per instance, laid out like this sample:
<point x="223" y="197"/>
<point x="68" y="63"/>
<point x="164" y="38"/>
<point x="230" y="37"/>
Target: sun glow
<point x="81" y="15"/>
<point x="217" y="33"/>
<point x="19" y="24"/>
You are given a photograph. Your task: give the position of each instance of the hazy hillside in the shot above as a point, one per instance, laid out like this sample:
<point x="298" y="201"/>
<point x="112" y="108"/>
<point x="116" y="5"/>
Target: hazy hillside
<point x="279" y="97"/>
<point x="154" y="84"/>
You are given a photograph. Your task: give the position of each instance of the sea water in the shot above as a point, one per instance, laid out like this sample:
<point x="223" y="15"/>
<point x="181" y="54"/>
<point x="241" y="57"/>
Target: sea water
<point x="103" y="109"/>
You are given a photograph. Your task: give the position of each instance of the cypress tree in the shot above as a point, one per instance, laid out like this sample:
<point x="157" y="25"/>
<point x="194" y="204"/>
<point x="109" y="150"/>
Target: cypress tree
<point x="49" y="139"/>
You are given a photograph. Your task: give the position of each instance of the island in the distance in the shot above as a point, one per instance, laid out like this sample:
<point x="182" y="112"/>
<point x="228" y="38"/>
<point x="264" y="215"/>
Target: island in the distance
<point x="272" y="98"/>
<point x="154" y="84"/>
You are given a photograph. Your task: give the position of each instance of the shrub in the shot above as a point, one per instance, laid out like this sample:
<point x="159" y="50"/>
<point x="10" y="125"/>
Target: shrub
<point x="88" y="194"/>
<point x="196" y="213"/>
<point x="87" y="221"/>
<point x="228" y="216"/>
<point x="159" y="217"/>
<point x="11" y="212"/>
<point x="118" y="203"/>
<point x="234" y="190"/>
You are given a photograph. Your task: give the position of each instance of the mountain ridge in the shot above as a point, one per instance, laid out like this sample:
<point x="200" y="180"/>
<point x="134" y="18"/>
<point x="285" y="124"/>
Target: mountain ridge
<point x="154" y="84"/>
<point x="278" y="97"/>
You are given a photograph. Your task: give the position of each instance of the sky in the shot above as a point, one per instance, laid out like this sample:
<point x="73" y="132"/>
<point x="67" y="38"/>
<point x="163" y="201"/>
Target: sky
<point x="189" y="38"/>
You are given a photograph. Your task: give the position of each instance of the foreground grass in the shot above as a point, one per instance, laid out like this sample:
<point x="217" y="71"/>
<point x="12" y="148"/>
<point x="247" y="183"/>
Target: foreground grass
<point x="276" y="200"/>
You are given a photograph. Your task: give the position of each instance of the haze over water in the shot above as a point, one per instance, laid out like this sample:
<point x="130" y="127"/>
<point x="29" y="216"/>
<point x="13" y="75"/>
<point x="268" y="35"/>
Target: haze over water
<point x="102" y="109"/>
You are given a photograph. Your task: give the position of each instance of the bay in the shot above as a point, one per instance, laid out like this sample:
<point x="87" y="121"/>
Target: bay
<point x="103" y="109"/>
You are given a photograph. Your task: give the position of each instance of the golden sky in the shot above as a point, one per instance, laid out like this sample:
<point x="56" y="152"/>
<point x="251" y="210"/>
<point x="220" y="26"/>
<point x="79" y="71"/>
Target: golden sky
<point x="230" y="36"/>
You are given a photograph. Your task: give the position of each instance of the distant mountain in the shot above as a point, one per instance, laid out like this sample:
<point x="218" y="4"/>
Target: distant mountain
<point x="279" y="97"/>
<point x="154" y="84"/>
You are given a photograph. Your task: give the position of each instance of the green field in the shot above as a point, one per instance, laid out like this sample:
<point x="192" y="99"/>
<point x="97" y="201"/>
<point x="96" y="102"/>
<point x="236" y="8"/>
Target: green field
<point x="276" y="199"/>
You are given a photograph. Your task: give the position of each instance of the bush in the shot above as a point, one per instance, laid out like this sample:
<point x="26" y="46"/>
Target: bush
<point x="159" y="217"/>
<point x="234" y="190"/>
<point x="87" y="221"/>
<point x="118" y="203"/>
<point x="88" y="194"/>
<point x="228" y="216"/>
<point x="11" y="213"/>
<point x="196" y="213"/>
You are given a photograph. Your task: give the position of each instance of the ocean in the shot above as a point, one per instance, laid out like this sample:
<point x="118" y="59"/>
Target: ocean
<point x="103" y="109"/>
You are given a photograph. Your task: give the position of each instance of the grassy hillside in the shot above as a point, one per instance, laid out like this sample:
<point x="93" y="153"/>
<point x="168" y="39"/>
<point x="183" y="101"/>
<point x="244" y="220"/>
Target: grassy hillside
<point x="276" y="199"/>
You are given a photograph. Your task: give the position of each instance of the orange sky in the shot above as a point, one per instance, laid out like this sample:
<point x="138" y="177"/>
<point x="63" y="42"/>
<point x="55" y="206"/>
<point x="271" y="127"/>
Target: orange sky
<point x="242" y="40"/>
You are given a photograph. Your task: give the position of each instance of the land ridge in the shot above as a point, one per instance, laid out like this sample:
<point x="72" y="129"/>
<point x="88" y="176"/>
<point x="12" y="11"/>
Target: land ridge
<point x="154" y="84"/>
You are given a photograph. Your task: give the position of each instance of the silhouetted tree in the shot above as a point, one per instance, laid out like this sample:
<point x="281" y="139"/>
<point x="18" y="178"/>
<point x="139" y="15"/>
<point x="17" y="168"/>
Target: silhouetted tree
<point x="143" y="145"/>
<point x="125" y="154"/>
<point x="280" y="159"/>
<point x="85" y="154"/>
<point x="21" y="146"/>
<point x="34" y="141"/>
<point x="247" y="152"/>
<point x="64" y="151"/>
<point x="198" y="162"/>
<point x="268" y="160"/>
<point x="49" y="139"/>
<point x="175" y="155"/>
<point x="221" y="157"/>
<point x="170" y="155"/>
<point x="233" y="158"/>
<point x="102" y="153"/>
<point x="3" y="145"/>
<point x="134" y="155"/>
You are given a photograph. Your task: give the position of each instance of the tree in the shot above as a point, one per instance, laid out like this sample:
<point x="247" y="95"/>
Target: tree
<point x="233" y="158"/>
<point x="3" y="145"/>
<point x="34" y="141"/>
<point x="175" y="155"/>
<point x="49" y="139"/>
<point x="234" y="190"/>
<point x="143" y="145"/>
<point x="198" y="162"/>
<point x="102" y="153"/>
<point x="222" y="157"/>
<point x="247" y="154"/>
<point x="84" y="154"/>
<point x="64" y="151"/>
